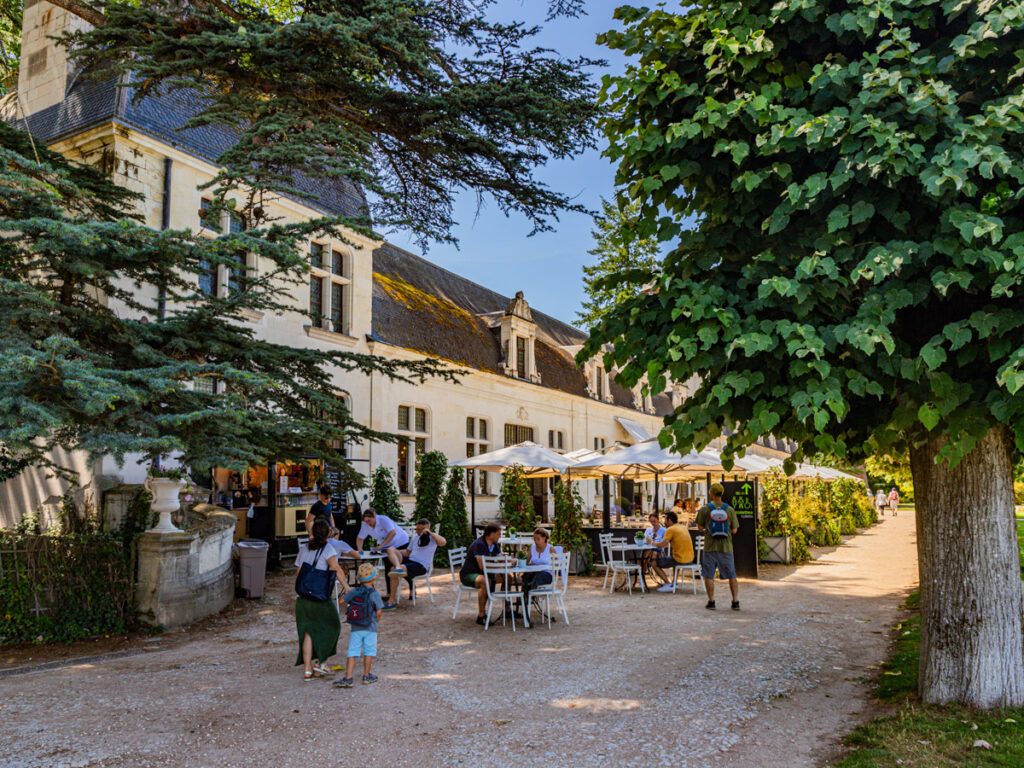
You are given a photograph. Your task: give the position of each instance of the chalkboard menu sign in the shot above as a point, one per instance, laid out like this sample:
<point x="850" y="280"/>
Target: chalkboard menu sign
<point x="742" y="496"/>
<point x="332" y="477"/>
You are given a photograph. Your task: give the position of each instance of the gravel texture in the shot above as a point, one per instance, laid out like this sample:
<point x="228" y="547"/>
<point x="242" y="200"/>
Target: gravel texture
<point x="642" y="680"/>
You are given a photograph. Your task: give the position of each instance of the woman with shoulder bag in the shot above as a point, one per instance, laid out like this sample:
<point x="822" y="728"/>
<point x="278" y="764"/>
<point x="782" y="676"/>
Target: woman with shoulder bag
<point x="316" y="612"/>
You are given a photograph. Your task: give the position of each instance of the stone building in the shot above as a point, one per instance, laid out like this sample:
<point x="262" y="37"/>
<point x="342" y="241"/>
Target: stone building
<point x="519" y="377"/>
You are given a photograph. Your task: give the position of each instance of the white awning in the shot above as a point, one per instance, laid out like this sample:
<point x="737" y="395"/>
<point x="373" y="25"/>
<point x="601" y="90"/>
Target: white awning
<point x="634" y="429"/>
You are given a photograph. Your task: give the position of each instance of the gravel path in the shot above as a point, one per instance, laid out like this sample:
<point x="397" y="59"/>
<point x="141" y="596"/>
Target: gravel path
<point x="641" y="680"/>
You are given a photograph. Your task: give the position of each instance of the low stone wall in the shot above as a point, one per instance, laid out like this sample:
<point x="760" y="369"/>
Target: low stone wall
<point x="186" y="576"/>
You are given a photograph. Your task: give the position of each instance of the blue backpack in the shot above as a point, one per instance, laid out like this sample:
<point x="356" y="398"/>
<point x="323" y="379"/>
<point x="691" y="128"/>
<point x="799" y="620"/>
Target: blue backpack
<point x="718" y="524"/>
<point x="358" y="612"/>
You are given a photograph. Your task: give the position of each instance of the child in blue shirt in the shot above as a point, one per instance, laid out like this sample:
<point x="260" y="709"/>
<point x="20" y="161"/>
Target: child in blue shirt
<point x="364" y="607"/>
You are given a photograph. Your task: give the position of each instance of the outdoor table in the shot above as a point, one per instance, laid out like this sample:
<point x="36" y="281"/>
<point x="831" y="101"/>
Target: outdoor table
<point x="636" y="550"/>
<point x="513" y="569"/>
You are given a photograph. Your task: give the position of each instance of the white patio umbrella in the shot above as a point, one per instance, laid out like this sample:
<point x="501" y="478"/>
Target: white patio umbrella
<point x="649" y="461"/>
<point x="536" y="460"/>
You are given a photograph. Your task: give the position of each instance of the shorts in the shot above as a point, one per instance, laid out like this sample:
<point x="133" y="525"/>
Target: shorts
<point x="666" y="561"/>
<point x="724" y="561"/>
<point x="362" y="642"/>
<point x="469" y="579"/>
<point x="412" y="568"/>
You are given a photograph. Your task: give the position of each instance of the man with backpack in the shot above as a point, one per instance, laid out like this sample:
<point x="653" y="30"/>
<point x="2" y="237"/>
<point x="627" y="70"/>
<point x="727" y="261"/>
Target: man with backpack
<point x="718" y="522"/>
<point x="362" y="613"/>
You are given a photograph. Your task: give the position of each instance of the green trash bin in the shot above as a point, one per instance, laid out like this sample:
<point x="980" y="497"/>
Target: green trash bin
<point x="252" y="566"/>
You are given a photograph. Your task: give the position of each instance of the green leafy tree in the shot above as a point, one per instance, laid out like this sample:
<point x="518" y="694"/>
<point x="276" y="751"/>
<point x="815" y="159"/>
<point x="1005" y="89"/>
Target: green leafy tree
<point x="853" y="172"/>
<point x="384" y="494"/>
<point x="10" y="43"/>
<point x="567" y="530"/>
<point x="91" y="363"/>
<point x="515" y="500"/>
<point x="619" y="252"/>
<point x="431" y="469"/>
<point x="454" y="524"/>
<point x="886" y="471"/>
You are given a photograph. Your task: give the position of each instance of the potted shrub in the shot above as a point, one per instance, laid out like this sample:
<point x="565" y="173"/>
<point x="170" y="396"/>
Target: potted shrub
<point x="566" y="532"/>
<point x="521" y="556"/>
<point x="773" y="530"/>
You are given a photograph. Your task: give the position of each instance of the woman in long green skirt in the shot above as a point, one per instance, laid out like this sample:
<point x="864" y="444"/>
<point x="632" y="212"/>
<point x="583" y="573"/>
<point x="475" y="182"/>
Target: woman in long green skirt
<point x="317" y="623"/>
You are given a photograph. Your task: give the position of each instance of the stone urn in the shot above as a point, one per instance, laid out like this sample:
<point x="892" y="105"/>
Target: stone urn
<point x="166" y="501"/>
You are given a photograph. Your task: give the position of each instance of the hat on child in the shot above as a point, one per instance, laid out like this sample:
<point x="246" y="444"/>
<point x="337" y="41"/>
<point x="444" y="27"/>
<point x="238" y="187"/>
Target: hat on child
<point x="367" y="572"/>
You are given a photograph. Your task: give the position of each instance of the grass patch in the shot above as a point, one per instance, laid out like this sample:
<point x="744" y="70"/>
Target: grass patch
<point x="918" y="735"/>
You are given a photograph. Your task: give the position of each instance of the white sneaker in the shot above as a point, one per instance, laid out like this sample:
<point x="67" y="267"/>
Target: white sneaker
<point x="665" y="588"/>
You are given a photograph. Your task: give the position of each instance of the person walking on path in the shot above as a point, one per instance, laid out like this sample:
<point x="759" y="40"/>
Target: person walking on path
<point x="894" y="501"/>
<point x="880" y="502"/>
<point x="317" y="621"/>
<point x="719" y="523"/>
<point x="363" y="611"/>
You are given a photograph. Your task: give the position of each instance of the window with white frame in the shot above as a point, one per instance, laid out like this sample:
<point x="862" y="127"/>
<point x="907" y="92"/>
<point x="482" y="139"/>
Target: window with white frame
<point x="599" y="445"/>
<point x="329" y="287"/>
<point x="223" y="279"/>
<point x="413" y="426"/>
<point x="477" y="442"/>
<point x="556" y="439"/>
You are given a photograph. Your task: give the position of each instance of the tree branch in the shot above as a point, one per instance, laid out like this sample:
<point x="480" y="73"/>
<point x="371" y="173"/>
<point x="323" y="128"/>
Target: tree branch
<point x="87" y="12"/>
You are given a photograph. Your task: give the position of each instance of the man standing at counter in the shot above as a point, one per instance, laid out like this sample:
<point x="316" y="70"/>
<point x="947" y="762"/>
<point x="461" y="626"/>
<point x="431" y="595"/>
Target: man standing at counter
<point x="321" y="508"/>
<point x="390" y="539"/>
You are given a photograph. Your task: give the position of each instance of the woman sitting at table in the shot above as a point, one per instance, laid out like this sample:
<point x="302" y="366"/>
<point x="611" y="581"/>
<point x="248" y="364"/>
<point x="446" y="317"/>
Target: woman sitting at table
<point x="655" y="532"/>
<point x="540" y="554"/>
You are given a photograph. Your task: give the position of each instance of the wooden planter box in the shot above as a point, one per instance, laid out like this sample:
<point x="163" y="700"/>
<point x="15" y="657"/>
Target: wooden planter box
<point x="779" y="549"/>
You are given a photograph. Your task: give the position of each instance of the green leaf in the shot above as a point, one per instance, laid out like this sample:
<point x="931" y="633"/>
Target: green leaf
<point x="928" y="415"/>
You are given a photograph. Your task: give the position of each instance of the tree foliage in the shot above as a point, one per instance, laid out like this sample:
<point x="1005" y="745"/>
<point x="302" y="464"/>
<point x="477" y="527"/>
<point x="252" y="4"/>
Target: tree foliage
<point x="515" y="500"/>
<point x="384" y="494"/>
<point x="620" y="253"/>
<point x="454" y="524"/>
<point x="431" y="469"/>
<point x="89" y="362"/>
<point x="10" y="43"/>
<point x="855" y="172"/>
<point x="567" y="530"/>
<point x="411" y="99"/>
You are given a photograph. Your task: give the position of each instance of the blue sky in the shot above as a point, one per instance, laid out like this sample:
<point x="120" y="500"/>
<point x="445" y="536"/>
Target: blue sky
<point x="494" y="250"/>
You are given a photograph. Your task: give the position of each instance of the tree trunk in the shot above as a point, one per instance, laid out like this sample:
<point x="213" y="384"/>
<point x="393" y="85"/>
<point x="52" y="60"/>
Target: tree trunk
<point x="972" y="651"/>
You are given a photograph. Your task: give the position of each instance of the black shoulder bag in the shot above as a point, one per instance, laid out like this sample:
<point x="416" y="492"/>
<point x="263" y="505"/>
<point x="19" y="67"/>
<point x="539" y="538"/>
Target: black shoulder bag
<point x="314" y="584"/>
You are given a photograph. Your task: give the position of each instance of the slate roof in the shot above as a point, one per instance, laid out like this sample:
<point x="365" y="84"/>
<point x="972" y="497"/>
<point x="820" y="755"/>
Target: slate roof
<point x="420" y="306"/>
<point x="90" y="103"/>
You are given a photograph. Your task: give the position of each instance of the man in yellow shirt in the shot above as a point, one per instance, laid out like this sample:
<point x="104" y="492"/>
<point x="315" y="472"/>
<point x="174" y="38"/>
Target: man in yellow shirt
<point x="677" y="541"/>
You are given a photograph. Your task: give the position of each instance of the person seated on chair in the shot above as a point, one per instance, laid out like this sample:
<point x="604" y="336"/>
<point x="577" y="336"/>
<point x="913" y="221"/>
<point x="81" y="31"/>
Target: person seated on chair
<point x="390" y="538"/>
<point x="342" y="550"/>
<point x="655" y="532"/>
<point x="689" y="514"/>
<point x="677" y="540"/>
<point x="540" y="554"/>
<point x="472" y="571"/>
<point x="419" y="555"/>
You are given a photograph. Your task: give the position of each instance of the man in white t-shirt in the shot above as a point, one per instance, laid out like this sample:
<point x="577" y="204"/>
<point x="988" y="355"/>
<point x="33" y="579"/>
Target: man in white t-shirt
<point x="341" y="548"/>
<point x="419" y="555"/>
<point x="389" y="539"/>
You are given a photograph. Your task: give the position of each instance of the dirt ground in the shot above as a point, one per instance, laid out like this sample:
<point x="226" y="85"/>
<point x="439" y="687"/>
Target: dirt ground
<point x="634" y="680"/>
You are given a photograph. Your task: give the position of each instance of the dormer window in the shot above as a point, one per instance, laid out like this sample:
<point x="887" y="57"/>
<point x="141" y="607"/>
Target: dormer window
<point x="519" y="341"/>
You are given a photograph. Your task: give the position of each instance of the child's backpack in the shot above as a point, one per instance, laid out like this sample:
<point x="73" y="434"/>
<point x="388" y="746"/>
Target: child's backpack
<point x="358" y="613"/>
<point x="718" y="526"/>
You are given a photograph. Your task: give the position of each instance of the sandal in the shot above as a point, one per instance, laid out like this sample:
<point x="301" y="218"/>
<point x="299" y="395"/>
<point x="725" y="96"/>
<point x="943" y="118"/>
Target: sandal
<point x="307" y="676"/>
<point x="321" y="670"/>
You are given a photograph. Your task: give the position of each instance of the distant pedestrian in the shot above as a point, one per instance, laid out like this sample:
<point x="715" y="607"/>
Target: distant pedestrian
<point x="881" y="502"/>
<point x="719" y="523"/>
<point x="894" y="501"/>
<point x="362" y="613"/>
<point x="316" y="615"/>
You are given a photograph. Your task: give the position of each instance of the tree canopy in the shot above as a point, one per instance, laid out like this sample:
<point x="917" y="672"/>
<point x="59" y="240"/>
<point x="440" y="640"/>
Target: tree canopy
<point x="412" y="100"/>
<point x="618" y="254"/>
<point x="90" y="364"/>
<point x="855" y="172"/>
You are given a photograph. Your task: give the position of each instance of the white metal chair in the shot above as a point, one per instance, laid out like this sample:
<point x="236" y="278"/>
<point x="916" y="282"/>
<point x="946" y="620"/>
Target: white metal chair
<point x="602" y="545"/>
<point x="556" y="589"/>
<point x="500" y="566"/>
<point x="426" y="578"/>
<point x="623" y="566"/>
<point x="456" y="557"/>
<point x="692" y="568"/>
